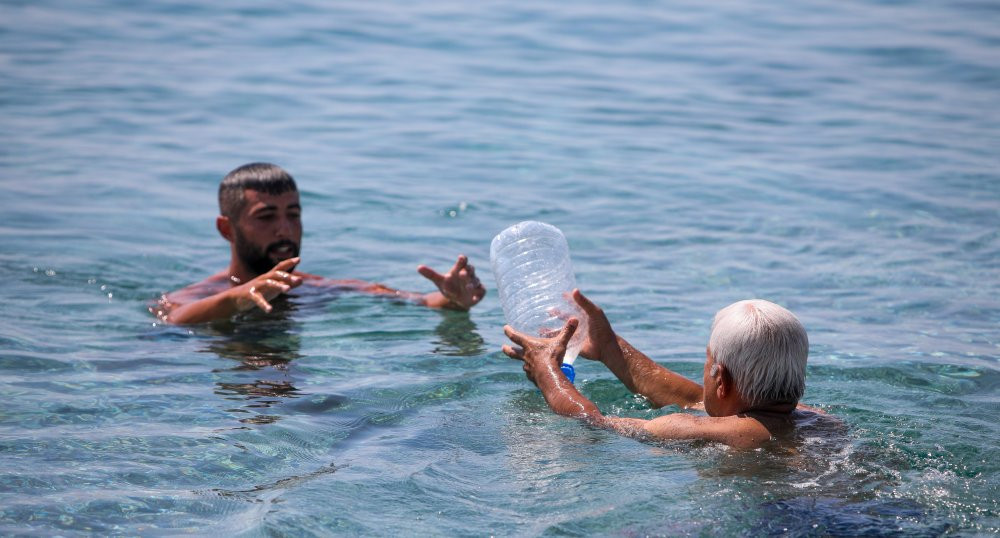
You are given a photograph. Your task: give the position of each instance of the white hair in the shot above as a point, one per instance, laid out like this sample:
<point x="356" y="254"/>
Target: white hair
<point x="764" y="347"/>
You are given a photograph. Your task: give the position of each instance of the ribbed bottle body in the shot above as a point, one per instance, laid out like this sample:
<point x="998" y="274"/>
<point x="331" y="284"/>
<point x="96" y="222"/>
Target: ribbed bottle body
<point x="534" y="277"/>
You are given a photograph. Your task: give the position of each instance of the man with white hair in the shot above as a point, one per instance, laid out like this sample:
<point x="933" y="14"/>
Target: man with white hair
<point x="753" y="378"/>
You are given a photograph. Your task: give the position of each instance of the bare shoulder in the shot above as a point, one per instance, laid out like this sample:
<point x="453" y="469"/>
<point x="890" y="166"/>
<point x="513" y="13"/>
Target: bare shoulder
<point x="168" y="302"/>
<point x="736" y="431"/>
<point x="808" y="419"/>
<point x="216" y="283"/>
<point x="803" y="420"/>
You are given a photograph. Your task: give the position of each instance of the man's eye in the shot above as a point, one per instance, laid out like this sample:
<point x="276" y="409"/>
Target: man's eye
<point x="294" y="215"/>
<point x="267" y="216"/>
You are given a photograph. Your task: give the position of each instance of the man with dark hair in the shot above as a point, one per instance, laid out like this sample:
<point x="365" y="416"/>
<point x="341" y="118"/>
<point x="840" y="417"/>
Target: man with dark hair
<point x="260" y="217"/>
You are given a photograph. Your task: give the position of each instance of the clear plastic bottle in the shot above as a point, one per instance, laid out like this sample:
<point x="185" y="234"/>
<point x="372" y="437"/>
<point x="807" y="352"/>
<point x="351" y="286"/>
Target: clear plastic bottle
<point x="535" y="279"/>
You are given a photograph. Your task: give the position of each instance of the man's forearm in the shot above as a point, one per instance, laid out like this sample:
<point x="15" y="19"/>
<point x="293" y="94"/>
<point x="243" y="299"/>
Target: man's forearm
<point x="643" y="376"/>
<point x="563" y="397"/>
<point x="434" y="299"/>
<point x="218" y="306"/>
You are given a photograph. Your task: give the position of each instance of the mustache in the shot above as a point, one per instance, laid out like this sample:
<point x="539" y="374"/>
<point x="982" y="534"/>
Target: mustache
<point x="283" y="243"/>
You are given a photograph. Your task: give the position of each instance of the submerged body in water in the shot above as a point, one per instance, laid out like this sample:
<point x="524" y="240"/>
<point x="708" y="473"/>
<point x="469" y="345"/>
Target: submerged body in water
<point x="260" y="217"/>
<point x="753" y="378"/>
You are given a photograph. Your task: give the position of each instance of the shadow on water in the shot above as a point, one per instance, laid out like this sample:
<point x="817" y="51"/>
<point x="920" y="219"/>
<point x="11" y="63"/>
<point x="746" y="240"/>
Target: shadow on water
<point x="822" y="481"/>
<point x="253" y="494"/>
<point x="457" y="336"/>
<point x="812" y="516"/>
<point x="262" y="349"/>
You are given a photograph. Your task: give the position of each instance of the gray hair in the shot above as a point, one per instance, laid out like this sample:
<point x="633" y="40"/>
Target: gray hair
<point x="764" y="347"/>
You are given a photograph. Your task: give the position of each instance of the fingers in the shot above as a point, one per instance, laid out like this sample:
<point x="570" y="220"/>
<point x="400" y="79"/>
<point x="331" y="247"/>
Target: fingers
<point x="558" y="314"/>
<point x="460" y="264"/>
<point x="287" y="265"/>
<point x="283" y="272"/>
<point x="471" y="271"/>
<point x="513" y="352"/>
<point x="263" y="290"/>
<point x="474" y="282"/>
<point x="477" y="289"/>
<point x="290" y="280"/>
<point x="567" y="332"/>
<point x="515" y="336"/>
<point x="585" y="303"/>
<point x="259" y="300"/>
<point x="548" y="333"/>
<point x="430" y="274"/>
<point x="272" y="285"/>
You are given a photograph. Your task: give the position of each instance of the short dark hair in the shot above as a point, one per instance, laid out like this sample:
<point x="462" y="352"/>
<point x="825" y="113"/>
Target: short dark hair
<point x="263" y="177"/>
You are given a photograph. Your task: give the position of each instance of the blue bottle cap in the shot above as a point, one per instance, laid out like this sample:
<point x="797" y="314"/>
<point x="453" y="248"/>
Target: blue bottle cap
<point x="568" y="371"/>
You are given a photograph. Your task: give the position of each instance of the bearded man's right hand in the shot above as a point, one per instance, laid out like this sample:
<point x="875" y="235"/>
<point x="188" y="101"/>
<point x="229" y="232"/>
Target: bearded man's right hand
<point x="263" y="289"/>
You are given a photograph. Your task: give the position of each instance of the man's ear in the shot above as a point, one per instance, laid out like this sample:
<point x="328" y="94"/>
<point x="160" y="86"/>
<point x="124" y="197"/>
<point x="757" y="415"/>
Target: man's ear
<point x="724" y="384"/>
<point x="225" y="227"/>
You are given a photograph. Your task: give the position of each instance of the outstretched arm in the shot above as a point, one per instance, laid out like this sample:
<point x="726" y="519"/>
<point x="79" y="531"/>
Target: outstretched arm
<point x="637" y="371"/>
<point x="658" y="384"/>
<point x="255" y="293"/>
<point x="458" y="289"/>
<point x="739" y="432"/>
<point x="541" y="358"/>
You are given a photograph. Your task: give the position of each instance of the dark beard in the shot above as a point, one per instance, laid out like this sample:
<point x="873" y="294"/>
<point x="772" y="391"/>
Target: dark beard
<point x="259" y="260"/>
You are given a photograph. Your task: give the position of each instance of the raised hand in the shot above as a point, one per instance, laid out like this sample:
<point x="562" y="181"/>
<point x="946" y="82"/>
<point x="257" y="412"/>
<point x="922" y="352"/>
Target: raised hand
<point x="599" y="332"/>
<point x="259" y="291"/>
<point x="460" y="286"/>
<point x="540" y="355"/>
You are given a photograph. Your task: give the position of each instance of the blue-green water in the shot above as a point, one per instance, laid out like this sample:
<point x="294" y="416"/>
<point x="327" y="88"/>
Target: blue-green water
<point x="840" y="158"/>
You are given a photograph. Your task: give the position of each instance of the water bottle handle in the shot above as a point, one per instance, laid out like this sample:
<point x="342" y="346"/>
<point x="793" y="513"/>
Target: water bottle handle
<point x="568" y="371"/>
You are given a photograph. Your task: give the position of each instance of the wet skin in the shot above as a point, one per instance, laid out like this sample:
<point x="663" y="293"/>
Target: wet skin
<point x="264" y="252"/>
<point x="730" y="421"/>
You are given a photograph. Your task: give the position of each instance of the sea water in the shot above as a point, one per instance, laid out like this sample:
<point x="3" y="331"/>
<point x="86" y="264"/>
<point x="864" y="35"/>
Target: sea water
<point x="838" y="158"/>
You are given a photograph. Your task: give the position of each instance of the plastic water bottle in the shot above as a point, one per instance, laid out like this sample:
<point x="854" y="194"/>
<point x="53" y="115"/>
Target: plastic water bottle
<point x="535" y="279"/>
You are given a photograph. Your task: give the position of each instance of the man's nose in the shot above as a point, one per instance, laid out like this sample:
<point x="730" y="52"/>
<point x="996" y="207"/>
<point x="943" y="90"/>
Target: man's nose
<point x="284" y="228"/>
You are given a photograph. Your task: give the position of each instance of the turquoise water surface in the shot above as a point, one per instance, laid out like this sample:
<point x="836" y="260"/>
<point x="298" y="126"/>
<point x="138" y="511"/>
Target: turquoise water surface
<point x="839" y="158"/>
